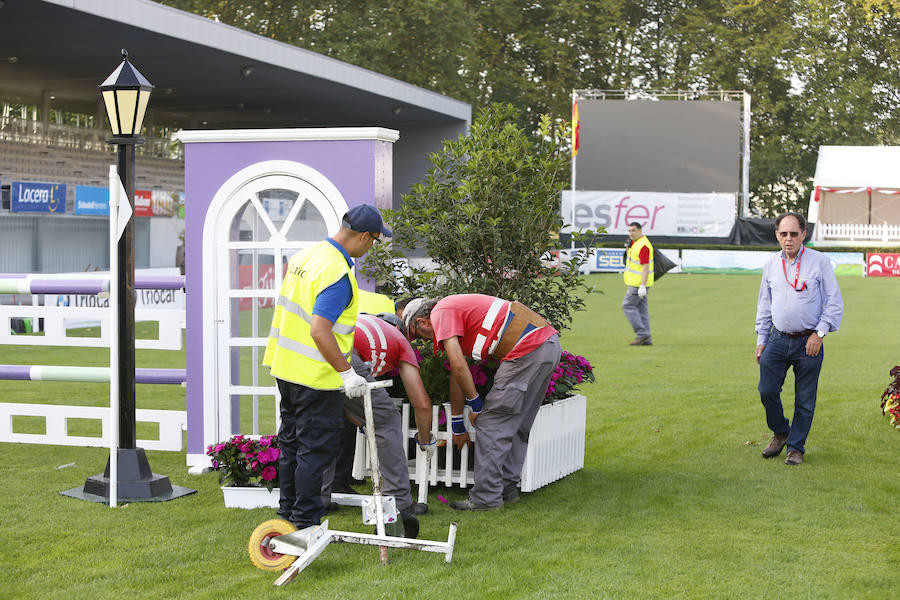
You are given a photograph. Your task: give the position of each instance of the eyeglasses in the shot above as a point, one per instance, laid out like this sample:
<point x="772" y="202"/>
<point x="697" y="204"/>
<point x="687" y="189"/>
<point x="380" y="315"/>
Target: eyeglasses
<point x="376" y="239"/>
<point x="784" y="234"/>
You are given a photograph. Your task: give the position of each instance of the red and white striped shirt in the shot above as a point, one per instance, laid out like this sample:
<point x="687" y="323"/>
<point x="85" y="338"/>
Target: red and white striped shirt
<point x="381" y="344"/>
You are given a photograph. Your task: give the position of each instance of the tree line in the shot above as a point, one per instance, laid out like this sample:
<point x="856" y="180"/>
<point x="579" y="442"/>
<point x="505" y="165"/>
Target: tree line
<point x="819" y="71"/>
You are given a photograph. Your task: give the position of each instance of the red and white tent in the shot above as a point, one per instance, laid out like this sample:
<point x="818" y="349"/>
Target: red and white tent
<point x="855" y="185"/>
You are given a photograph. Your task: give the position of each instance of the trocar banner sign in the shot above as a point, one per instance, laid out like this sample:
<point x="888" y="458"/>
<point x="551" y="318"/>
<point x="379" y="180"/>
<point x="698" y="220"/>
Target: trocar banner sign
<point x="29" y="196"/>
<point x="669" y="214"/>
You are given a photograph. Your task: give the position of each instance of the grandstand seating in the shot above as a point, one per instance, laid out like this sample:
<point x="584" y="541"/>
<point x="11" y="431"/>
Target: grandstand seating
<point x="20" y="161"/>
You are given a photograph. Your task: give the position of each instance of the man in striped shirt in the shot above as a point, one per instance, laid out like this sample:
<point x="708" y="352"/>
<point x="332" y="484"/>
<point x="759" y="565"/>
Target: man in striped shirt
<point x="379" y="348"/>
<point x="477" y="326"/>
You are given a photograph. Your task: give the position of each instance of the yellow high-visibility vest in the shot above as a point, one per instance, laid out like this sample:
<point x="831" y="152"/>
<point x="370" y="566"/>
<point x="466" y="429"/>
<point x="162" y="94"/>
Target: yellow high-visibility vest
<point x="633" y="266"/>
<point x="290" y="351"/>
<point x="374" y="303"/>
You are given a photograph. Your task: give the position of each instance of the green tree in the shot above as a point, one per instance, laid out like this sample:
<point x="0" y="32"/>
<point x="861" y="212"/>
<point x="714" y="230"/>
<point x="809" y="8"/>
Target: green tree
<point x="488" y="216"/>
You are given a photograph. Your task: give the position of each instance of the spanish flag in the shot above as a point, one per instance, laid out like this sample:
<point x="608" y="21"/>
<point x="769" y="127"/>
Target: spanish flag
<point x="575" y="125"/>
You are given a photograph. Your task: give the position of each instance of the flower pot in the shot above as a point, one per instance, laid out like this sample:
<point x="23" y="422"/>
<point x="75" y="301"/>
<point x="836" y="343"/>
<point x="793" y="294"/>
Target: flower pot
<point x="251" y="497"/>
<point x="555" y="448"/>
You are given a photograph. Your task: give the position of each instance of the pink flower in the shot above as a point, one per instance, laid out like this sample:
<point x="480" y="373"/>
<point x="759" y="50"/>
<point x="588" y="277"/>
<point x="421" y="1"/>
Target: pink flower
<point x="269" y="473"/>
<point x="442" y="418"/>
<point x="220" y="447"/>
<point x="215" y="464"/>
<point x="254" y="465"/>
<point x="269" y="455"/>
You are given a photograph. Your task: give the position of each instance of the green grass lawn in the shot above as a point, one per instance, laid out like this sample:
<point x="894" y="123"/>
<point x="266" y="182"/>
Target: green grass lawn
<point x="674" y="500"/>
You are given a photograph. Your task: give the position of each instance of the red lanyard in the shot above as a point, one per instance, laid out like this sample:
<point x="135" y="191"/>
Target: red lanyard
<point x="797" y="274"/>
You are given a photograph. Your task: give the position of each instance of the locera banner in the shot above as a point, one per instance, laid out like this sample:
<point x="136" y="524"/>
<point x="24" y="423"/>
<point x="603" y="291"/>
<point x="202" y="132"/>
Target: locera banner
<point x="30" y="196"/>
<point x="882" y="265"/>
<point x="669" y="214"/>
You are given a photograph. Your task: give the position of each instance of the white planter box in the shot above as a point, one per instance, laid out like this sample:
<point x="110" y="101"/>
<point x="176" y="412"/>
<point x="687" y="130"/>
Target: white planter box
<point x="555" y="448"/>
<point x="251" y="497"/>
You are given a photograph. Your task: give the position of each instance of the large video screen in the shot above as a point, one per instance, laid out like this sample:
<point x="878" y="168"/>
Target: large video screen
<point x="659" y="146"/>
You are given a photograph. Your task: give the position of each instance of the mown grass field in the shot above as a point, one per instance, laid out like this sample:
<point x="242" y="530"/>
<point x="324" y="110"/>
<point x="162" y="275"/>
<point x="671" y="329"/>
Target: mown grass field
<point x="674" y="500"/>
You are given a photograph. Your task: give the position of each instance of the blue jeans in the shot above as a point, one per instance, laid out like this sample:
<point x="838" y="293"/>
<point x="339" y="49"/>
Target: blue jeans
<point x="309" y="439"/>
<point x="780" y="353"/>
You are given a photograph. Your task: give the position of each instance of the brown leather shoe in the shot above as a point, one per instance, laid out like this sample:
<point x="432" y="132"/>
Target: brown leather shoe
<point x="794" y="457"/>
<point x="641" y="341"/>
<point x="775" y="446"/>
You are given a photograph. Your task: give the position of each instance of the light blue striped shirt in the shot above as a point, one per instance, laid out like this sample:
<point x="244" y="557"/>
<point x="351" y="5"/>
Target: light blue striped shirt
<point x="817" y="305"/>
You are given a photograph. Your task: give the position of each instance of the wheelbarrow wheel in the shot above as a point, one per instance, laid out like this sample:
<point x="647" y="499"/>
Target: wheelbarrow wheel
<point x="258" y="546"/>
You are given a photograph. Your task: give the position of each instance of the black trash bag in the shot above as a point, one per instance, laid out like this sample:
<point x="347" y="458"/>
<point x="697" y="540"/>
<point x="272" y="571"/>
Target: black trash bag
<point x="661" y="265"/>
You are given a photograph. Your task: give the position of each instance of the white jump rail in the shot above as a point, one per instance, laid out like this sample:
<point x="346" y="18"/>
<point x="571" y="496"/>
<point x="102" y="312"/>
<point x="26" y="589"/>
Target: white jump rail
<point x="171" y="423"/>
<point x="171" y="323"/>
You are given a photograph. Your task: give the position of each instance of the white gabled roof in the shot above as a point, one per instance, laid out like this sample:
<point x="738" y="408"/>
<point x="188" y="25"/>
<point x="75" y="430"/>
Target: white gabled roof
<point x="858" y="166"/>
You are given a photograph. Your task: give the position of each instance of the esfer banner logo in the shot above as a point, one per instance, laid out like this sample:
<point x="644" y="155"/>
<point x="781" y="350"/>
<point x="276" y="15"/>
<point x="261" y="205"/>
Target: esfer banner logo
<point x="882" y="265"/>
<point x="28" y="196"/>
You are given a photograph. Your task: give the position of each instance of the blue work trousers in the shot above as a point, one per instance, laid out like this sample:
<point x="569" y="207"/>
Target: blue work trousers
<point x="310" y="438"/>
<point x="780" y="353"/>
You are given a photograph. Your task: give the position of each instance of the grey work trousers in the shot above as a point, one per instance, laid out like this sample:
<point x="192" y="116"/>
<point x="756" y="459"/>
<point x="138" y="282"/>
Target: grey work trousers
<point x="388" y="437"/>
<point x="503" y="427"/>
<point x="636" y="311"/>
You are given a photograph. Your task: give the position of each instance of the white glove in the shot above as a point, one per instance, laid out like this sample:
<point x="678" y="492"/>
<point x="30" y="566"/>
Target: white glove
<point x="427" y="448"/>
<point x="354" y="384"/>
<point x="642" y="291"/>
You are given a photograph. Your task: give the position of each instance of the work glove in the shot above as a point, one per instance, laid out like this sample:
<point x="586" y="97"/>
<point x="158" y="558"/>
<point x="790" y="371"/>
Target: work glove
<point x="428" y="447"/>
<point x="642" y="292"/>
<point x="476" y="404"/>
<point x="458" y="425"/>
<point x="354" y="384"/>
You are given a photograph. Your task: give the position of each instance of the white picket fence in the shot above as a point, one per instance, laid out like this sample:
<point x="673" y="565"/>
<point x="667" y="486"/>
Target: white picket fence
<point x="555" y="448"/>
<point x="854" y="232"/>
<point x="171" y="423"/>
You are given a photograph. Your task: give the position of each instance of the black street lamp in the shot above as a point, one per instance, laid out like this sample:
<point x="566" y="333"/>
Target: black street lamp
<point x="126" y="93"/>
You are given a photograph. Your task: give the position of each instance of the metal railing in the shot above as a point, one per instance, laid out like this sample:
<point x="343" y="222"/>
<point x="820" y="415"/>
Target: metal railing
<point x="30" y="131"/>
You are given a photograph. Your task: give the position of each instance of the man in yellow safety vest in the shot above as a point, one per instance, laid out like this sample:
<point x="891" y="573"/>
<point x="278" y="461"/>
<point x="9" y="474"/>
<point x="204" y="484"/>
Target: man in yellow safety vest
<point x="638" y="277"/>
<point x="308" y="351"/>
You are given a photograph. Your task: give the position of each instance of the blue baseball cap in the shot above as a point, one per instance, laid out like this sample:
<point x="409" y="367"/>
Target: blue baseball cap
<point x="364" y="218"/>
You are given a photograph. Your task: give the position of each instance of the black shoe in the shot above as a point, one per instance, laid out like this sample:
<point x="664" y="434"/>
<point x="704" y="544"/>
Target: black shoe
<point x="420" y="508"/>
<point x="343" y="489"/>
<point x="510" y="494"/>
<point x="467" y="505"/>
<point x="410" y="524"/>
<point x="332" y="507"/>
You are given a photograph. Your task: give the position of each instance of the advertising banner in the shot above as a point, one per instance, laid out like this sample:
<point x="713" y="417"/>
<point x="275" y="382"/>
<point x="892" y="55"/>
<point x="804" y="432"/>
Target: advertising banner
<point x="143" y="203"/>
<point x="28" y="196"/>
<point x="882" y="265"/>
<point x="608" y="260"/>
<point x="668" y="214"/>
<point x="91" y="200"/>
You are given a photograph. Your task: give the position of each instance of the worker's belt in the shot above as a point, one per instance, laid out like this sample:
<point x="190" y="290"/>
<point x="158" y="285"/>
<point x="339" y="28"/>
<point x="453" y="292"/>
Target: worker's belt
<point x="520" y="317"/>
<point x="798" y="334"/>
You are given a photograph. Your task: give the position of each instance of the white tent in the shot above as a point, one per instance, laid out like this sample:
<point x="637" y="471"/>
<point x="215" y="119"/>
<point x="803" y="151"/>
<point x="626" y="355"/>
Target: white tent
<point x="856" y="195"/>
